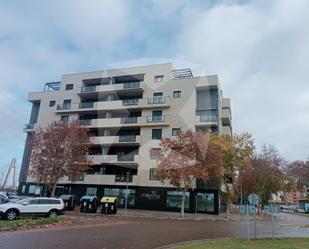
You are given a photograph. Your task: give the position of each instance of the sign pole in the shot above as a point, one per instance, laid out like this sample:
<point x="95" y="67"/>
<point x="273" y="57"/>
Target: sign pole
<point x="254" y="222"/>
<point x="248" y="223"/>
<point x="272" y="221"/>
<point x="126" y="200"/>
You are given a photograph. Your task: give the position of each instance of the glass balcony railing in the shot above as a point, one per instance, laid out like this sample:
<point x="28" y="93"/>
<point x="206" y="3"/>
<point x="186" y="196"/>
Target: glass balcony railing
<point x="127" y="138"/>
<point x="84" y="122"/>
<point x="156" y="100"/>
<point x="155" y="119"/>
<point x="131" y="85"/>
<point x="86" y="105"/>
<point x="208" y="118"/>
<point x="124" y="178"/>
<point x="87" y="89"/>
<point x="64" y="107"/>
<point x="129" y="102"/>
<point x="128" y="120"/>
<point x="125" y="157"/>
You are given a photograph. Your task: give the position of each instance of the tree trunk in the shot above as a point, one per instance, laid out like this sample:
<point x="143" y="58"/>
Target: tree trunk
<point x="228" y="201"/>
<point x="183" y="200"/>
<point x="53" y="190"/>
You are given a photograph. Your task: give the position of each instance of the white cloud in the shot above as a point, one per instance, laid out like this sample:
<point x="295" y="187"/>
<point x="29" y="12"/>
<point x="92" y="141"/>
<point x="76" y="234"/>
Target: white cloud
<point x="260" y="51"/>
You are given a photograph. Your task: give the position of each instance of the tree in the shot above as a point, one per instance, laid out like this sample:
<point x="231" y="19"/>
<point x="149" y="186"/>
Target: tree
<point x="59" y="151"/>
<point x="298" y="171"/>
<point x="266" y="174"/>
<point x="236" y="151"/>
<point x="186" y="158"/>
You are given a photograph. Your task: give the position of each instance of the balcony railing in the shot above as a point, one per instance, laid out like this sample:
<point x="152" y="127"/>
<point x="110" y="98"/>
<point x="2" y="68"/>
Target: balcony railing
<point x="77" y="177"/>
<point x="155" y="119"/>
<point x="128" y="120"/>
<point x="131" y="85"/>
<point x="156" y="100"/>
<point x="126" y="157"/>
<point x="127" y="138"/>
<point x="86" y="105"/>
<point x="208" y="118"/>
<point x="84" y="122"/>
<point x="88" y="89"/>
<point x="124" y="178"/>
<point x="129" y="102"/>
<point x="64" y="107"/>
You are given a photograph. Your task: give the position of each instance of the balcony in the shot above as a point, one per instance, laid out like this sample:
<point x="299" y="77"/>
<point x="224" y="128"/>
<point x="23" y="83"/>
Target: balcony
<point x="226" y="116"/>
<point x="90" y="90"/>
<point x="124" y="178"/>
<point x="226" y="130"/>
<point x="122" y="139"/>
<point x="64" y="107"/>
<point x="128" y="159"/>
<point x="155" y="119"/>
<point x="86" y="105"/>
<point x="207" y="119"/>
<point x="29" y="127"/>
<point x="105" y="179"/>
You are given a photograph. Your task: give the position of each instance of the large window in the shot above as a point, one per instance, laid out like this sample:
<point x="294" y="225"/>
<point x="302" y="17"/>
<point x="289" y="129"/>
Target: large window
<point x="156" y="133"/>
<point x="173" y="199"/>
<point x="207" y="99"/>
<point x="205" y="202"/>
<point x="175" y="131"/>
<point x="120" y="194"/>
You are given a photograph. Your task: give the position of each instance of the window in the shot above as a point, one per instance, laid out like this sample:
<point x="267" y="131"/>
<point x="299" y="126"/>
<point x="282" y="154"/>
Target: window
<point x="44" y="201"/>
<point x="69" y="87"/>
<point x="23" y="189"/>
<point x="156" y="133"/>
<point x="175" y="131"/>
<point x="65" y="118"/>
<point x="158" y="78"/>
<point x="173" y="199"/>
<point x="34" y="202"/>
<point x="176" y="94"/>
<point x="91" y="191"/>
<point x="52" y="103"/>
<point x="121" y="195"/>
<point x="53" y="201"/>
<point x="66" y="104"/>
<point x="155" y="154"/>
<point x="153" y="175"/>
<point x="31" y="189"/>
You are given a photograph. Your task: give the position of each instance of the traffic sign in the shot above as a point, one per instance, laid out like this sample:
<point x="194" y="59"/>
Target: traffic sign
<point x="253" y="199"/>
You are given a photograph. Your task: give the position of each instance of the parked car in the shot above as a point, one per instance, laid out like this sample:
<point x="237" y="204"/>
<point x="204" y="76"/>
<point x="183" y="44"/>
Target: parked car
<point x="40" y="206"/>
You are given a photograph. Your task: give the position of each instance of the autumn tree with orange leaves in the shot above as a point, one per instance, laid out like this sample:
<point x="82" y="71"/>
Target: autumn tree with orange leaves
<point x="59" y="151"/>
<point x="187" y="158"/>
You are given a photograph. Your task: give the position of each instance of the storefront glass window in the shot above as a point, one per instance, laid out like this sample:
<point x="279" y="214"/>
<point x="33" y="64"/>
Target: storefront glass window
<point x="174" y="199"/>
<point x="120" y="194"/>
<point x="205" y="202"/>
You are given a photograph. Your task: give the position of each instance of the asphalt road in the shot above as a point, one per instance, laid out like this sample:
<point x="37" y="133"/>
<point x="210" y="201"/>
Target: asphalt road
<point x="144" y="233"/>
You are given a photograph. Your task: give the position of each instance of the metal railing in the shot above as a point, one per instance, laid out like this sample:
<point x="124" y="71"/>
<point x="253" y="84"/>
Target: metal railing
<point x="88" y="89"/>
<point x="64" y="107"/>
<point x="131" y="85"/>
<point x="128" y="120"/>
<point x="156" y="100"/>
<point x="126" y="157"/>
<point x="84" y="122"/>
<point x="155" y="119"/>
<point x="129" y="102"/>
<point x="77" y="177"/>
<point x="127" y="138"/>
<point x="208" y="118"/>
<point x="85" y="105"/>
<point x="124" y="178"/>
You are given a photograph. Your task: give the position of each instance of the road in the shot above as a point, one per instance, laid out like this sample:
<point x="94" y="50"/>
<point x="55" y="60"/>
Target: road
<point x="144" y="233"/>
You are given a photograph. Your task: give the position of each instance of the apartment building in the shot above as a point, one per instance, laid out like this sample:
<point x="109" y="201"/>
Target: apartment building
<point x="128" y="111"/>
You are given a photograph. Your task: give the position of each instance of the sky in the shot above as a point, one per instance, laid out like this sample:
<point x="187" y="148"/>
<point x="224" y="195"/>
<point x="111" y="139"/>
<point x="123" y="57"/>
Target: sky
<point x="258" y="48"/>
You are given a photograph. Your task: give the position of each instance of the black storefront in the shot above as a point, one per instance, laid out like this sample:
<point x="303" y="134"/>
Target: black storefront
<point x="201" y="200"/>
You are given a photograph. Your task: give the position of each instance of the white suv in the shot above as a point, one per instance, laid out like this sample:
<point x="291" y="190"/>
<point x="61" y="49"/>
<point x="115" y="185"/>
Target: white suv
<point x="40" y="206"/>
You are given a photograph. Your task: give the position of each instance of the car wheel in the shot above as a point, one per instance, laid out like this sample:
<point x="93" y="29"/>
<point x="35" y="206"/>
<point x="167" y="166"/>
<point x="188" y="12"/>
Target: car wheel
<point x="53" y="213"/>
<point x="11" y="214"/>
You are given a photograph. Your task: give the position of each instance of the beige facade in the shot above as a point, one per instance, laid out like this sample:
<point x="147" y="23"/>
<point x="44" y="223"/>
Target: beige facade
<point x="126" y="108"/>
